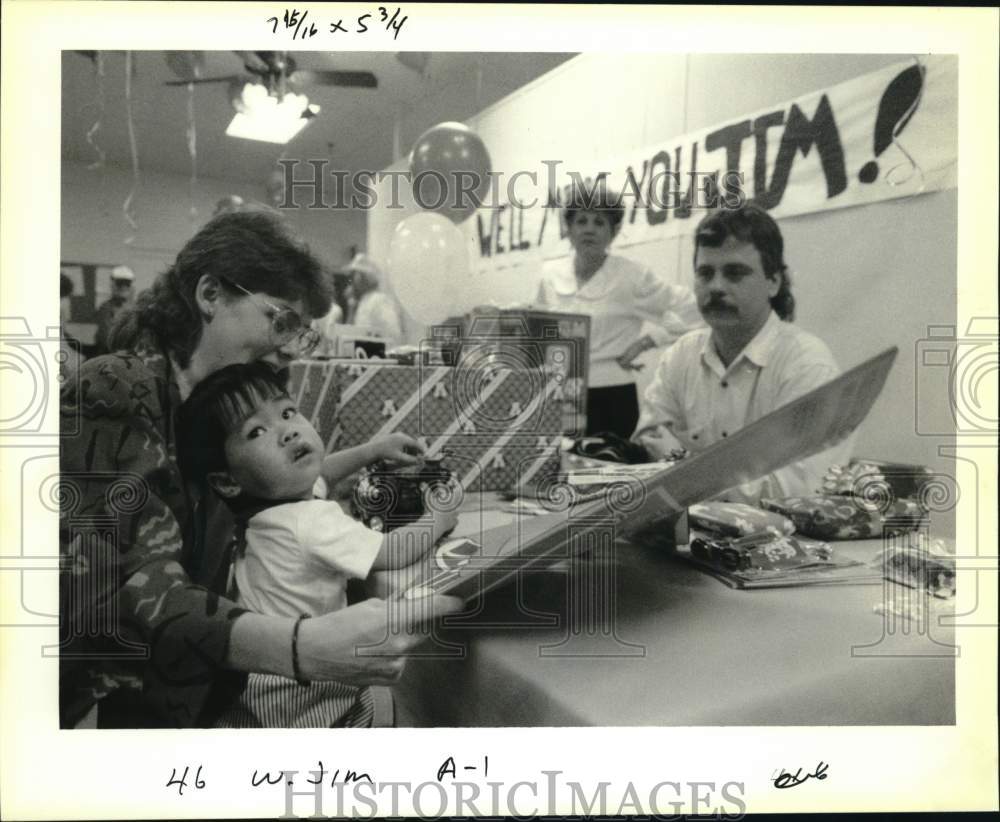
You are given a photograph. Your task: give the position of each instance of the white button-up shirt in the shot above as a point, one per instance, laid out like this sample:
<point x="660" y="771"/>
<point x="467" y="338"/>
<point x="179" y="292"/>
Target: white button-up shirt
<point x="701" y="401"/>
<point x="619" y="299"/>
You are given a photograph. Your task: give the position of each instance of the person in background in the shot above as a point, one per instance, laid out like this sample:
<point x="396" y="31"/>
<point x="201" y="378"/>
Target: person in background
<point x="620" y="297"/>
<point x="374" y="308"/>
<point x="231" y="202"/>
<point x="121" y="295"/>
<point x="750" y="360"/>
<point x="327" y="326"/>
<point x="70" y="354"/>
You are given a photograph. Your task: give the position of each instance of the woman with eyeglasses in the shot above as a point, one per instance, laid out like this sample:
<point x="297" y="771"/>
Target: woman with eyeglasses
<point x="147" y="634"/>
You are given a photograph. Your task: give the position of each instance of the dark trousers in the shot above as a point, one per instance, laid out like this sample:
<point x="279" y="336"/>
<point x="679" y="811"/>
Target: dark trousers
<point x="614" y="409"/>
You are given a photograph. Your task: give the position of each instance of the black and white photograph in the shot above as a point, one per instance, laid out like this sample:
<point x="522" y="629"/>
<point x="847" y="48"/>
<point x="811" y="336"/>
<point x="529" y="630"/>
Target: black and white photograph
<point x="607" y="424"/>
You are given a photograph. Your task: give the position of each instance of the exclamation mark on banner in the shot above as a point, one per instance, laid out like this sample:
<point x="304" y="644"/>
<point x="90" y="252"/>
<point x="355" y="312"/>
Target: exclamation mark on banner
<point x="898" y="105"/>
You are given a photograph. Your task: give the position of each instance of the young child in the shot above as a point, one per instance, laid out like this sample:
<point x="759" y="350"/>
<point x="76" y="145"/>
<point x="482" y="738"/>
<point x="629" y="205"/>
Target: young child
<point x="241" y="433"/>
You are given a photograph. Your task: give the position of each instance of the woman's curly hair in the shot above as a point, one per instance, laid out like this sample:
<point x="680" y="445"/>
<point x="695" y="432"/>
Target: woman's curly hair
<point x="253" y="248"/>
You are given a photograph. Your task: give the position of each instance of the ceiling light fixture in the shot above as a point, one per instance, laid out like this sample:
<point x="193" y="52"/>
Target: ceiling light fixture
<point x="260" y="116"/>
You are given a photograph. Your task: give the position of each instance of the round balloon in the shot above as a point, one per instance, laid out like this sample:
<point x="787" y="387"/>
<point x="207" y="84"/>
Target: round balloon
<point x="428" y="265"/>
<point x="450" y="168"/>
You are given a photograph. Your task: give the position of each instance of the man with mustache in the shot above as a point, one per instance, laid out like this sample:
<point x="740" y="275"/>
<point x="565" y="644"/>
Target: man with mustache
<point x="750" y="360"/>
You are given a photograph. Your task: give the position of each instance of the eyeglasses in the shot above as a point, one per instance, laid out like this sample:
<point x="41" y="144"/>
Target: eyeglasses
<point x="286" y="324"/>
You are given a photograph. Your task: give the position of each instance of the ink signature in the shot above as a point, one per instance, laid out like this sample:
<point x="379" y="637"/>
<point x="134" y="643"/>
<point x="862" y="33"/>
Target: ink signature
<point x="789" y="780"/>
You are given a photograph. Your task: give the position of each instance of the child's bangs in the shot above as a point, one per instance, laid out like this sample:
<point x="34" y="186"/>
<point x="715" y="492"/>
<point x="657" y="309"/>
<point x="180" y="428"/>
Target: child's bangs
<point x="234" y="407"/>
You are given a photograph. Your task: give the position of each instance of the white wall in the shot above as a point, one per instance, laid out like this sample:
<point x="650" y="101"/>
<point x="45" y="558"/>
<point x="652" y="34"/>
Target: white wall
<point x="865" y="277"/>
<point x="94" y="229"/>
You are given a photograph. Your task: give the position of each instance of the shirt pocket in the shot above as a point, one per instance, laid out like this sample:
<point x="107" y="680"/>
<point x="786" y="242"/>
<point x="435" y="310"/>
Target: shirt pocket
<point x="696" y="438"/>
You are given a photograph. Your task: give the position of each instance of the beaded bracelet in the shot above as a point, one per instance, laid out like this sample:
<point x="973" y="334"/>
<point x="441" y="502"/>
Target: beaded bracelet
<point x="296" y="670"/>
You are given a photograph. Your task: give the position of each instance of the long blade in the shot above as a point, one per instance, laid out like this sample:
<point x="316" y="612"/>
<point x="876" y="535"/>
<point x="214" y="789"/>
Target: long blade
<point x="803" y="427"/>
<point x="343" y="79"/>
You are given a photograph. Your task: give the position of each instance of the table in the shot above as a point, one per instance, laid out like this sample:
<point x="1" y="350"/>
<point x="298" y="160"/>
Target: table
<point x="685" y="649"/>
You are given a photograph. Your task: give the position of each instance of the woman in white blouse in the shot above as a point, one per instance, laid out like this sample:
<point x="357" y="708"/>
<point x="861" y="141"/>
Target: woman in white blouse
<point x="619" y="296"/>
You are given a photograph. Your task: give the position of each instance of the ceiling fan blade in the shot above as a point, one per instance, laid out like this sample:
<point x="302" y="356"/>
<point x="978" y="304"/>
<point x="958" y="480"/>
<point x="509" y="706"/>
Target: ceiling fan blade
<point x="252" y="61"/>
<point x="343" y="79"/>
<point x="229" y="79"/>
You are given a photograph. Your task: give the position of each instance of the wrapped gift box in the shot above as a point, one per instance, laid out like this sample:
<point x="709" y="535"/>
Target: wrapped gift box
<point x="525" y="338"/>
<point x="736" y="519"/>
<point x="866" y="477"/>
<point x="493" y="426"/>
<point x="840" y="517"/>
<point x="771" y="553"/>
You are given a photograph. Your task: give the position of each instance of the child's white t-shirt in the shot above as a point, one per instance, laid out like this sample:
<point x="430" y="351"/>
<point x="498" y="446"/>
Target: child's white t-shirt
<point x="299" y="556"/>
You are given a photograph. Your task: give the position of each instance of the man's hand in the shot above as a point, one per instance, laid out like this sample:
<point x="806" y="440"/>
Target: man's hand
<point x="367" y="643"/>
<point x="397" y="448"/>
<point x="658" y="441"/>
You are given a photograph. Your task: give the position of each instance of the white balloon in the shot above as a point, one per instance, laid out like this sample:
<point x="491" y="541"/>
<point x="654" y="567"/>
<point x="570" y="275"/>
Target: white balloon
<point x="428" y="266"/>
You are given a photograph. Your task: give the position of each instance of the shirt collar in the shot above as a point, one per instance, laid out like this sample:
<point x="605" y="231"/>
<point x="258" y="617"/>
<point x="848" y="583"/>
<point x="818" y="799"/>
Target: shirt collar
<point x="758" y="350"/>
<point x="565" y="283"/>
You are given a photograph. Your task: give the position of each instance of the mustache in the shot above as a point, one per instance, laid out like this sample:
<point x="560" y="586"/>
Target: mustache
<point x="717" y="304"/>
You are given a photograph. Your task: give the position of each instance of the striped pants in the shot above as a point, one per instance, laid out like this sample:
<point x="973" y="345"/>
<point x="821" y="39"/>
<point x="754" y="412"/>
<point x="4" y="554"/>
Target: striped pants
<point x="271" y="701"/>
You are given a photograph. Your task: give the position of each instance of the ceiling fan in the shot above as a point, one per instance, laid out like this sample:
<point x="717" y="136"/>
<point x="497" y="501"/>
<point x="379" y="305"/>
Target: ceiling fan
<point x="277" y="70"/>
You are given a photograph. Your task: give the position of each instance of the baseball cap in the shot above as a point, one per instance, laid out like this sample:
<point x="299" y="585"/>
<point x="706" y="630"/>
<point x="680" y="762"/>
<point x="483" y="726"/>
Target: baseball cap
<point x="122" y="272"/>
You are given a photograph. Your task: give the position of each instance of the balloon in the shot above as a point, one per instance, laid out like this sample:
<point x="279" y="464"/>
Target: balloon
<point x="450" y="169"/>
<point x="428" y="265"/>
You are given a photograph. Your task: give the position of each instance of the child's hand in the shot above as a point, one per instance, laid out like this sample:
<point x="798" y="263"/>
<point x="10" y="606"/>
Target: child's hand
<point x="399" y="448"/>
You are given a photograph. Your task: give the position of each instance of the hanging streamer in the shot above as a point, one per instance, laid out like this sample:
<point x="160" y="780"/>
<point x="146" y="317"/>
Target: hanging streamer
<point x="99" y="79"/>
<point x="127" y="205"/>
<point x="192" y="143"/>
<point x="479" y="89"/>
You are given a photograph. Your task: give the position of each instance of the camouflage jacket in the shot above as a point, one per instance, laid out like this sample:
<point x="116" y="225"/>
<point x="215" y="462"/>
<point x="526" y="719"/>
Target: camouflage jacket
<point x="141" y="555"/>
